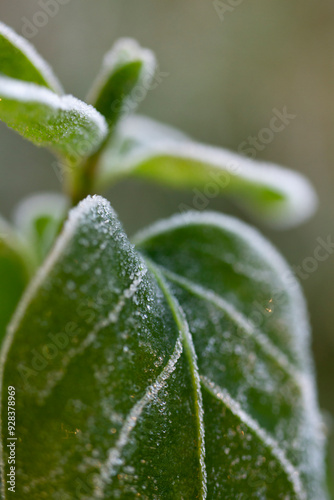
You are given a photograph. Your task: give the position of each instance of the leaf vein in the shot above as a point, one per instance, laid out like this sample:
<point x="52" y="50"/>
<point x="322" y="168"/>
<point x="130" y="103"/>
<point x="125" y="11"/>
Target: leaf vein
<point x="56" y="376"/>
<point x="108" y="469"/>
<point x="233" y="405"/>
<point x="191" y="355"/>
<point x="262" y="341"/>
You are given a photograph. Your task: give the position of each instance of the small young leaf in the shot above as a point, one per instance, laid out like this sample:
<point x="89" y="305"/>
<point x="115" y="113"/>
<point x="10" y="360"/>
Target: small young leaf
<point x="64" y="124"/>
<point x="146" y="149"/>
<point x="39" y="219"/>
<point x="124" y="80"/>
<point x="149" y="376"/>
<point x="15" y="271"/>
<point x="19" y="59"/>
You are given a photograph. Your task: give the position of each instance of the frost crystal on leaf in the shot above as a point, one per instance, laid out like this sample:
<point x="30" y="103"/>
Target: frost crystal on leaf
<point x="19" y="59"/>
<point x="63" y="123"/>
<point x="157" y="379"/>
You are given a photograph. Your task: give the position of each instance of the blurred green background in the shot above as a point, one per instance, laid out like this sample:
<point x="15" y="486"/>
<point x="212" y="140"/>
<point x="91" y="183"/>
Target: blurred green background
<point x="225" y="75"/>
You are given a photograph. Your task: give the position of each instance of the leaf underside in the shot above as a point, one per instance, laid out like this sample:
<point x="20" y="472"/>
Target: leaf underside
<point x="144" y="372"/>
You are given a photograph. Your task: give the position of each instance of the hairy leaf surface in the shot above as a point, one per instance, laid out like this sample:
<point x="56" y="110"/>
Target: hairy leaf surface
<point x="65" y="124"/>
<point x="147" y="149"/>
<point x="145" y="373"/>
<point x="19" y="59"/>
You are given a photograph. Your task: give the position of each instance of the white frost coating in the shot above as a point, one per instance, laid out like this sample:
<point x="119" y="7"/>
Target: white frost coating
<point x="270" y="443"/>
<point x="13" y="89"/>
<point x="30" y="52"/>
<point x="128" y="50"/>
<point x="76" y="216"/>
<point x="189" y="345"/>
<point x="305" y="381"/>
<point x="92" y="336"/>
<point x="300" y="325"/>
<point x="190" y="352"/>
<point x="300" y="200"/>
<point x="127" y="294"/>
<point x="260" y="338"/>
<point x="109" y="467"/>
<point x="125" y="51"/>
<point x="261" y="247"/>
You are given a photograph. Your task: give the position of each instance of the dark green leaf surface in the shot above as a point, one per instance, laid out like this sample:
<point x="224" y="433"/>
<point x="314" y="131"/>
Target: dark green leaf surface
<point x="64" y="124"/>
<point x="145" y="375"/>
<point x="249" y="327"/>
<point x="147" y="149"/>
<point x="124" y="80"/>
<point x="19" y="59"/>
<point x="15" y="271"/>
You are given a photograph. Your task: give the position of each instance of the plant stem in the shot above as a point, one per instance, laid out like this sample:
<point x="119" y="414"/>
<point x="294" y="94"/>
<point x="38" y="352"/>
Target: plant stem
<point x="79" y="182"/>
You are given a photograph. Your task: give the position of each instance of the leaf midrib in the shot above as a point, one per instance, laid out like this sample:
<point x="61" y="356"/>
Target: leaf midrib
<point x="160" y="273"/>
<point x="268" y="442"/>
<point x="180" y="319"/>
<point x="264" y="343"/>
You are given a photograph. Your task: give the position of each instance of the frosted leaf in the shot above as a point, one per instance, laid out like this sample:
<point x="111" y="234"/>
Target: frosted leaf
<point x="146" y="149"/>
<point x="189" y="397"/>
<point x="248" y="323"/>
<point x="64" y="124"/>
<point x="19" y="59"/>
<point x="73" y="335"/>
<point x="125" y="77"/>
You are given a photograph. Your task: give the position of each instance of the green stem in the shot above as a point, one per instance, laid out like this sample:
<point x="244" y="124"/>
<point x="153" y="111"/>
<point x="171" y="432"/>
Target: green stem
<point x="80" y="180"/>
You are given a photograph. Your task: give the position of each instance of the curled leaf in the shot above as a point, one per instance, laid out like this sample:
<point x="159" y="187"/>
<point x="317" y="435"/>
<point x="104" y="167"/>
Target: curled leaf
<point x="124" y="80"/>
<point x="146" y="149"/>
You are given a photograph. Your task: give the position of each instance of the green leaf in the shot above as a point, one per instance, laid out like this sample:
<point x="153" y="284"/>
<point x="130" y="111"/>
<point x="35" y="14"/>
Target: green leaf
<point x="39" y="218"/>
<point x="64" y="124"/>
<point x="249" y="326"/>
<point x="146" y="149"/>
<point x="126" y="76"/>
<point x="19" y="59"/>
<point x="142" y="372"/>
<point x="15" y="271"/>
